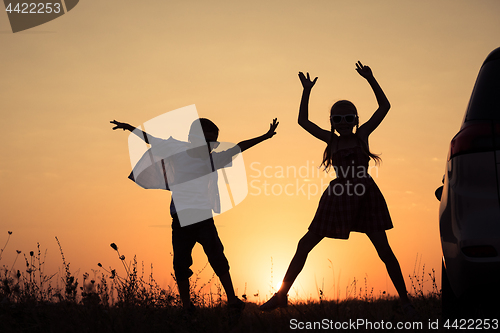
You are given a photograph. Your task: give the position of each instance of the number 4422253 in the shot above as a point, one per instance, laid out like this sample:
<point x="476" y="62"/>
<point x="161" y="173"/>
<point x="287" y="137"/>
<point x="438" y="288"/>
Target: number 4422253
<point x="34" y="8"/>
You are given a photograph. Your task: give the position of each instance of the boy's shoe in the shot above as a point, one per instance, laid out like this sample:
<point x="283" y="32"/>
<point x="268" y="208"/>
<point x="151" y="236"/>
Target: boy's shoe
<point x="189" y="312"/>
<point x="234" y="311"/>
<point x="277" y="301"/>
<point x="239" y="305"/>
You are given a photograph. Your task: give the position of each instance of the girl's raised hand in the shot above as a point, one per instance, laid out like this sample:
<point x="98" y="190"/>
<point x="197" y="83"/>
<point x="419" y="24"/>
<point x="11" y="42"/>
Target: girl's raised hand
<point x="272" y="128"/>
<point x="364" y="71"/>
<point x="306" y="81"/>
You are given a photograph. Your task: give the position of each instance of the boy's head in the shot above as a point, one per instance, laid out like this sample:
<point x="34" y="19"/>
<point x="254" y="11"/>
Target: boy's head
<point x="210" y="130"/>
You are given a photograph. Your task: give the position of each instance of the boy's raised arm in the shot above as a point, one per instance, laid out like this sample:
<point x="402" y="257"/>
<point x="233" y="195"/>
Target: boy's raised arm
<point x="244" y="145"/>
<point x="143" y="135"/>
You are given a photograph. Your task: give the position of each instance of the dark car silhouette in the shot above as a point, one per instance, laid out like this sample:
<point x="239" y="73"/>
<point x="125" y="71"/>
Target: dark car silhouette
<point x="469" y="213"/>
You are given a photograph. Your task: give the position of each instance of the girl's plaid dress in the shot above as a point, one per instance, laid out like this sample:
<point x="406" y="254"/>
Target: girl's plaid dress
<point x="352" y="201"/>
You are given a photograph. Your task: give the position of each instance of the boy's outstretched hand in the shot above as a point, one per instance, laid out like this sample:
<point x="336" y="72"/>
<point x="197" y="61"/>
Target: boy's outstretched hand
<point x="119" y="125"/>
<point x="364" y="71"/>
<point x="272" y="128"/>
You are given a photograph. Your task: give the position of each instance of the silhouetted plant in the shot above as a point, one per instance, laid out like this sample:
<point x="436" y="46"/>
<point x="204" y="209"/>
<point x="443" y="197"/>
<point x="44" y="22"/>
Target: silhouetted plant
<point x="418" y="280"/>
<point x="134" y="290"/>
<point x="70" y="282"/>
<point x="7" y="242"/>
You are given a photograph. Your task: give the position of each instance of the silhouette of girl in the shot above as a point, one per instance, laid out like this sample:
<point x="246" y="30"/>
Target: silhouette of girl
<point x="352" y="201"/>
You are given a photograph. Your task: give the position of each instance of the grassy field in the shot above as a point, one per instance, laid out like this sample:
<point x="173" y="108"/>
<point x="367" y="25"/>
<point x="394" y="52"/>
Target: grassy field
<point x="78" y="317"/>
<point x="32" y="301"/>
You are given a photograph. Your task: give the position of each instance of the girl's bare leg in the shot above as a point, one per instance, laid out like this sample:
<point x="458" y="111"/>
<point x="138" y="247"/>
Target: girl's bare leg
<point x="306" y="244"/>
<point x="379" y="240"/>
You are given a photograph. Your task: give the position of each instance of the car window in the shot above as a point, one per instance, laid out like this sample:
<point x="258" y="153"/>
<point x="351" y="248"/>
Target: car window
<point x="485" y="100"/>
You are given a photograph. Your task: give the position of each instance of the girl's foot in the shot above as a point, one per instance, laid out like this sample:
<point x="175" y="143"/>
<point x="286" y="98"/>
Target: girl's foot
<point x="409" y="311"/>
<point x="277" y="301"/>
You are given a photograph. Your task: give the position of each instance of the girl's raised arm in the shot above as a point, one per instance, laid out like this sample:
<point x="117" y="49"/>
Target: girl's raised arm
<point x="304" y="121"/>
<point x="383" y="103"/>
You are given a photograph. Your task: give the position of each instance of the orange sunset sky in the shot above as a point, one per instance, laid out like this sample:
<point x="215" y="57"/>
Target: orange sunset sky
<point x="63" y="171"/>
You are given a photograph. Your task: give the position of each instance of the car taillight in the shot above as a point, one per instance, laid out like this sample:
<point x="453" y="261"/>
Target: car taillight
<point x="475" y="137"/>
<point x="483" y="251"/>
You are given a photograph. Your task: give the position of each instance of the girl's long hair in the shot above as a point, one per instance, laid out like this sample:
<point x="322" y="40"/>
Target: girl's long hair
<point x="327" y="155"/>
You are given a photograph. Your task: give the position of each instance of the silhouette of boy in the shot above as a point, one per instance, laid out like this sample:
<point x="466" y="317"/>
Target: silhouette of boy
<point x="189" y="169"/>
